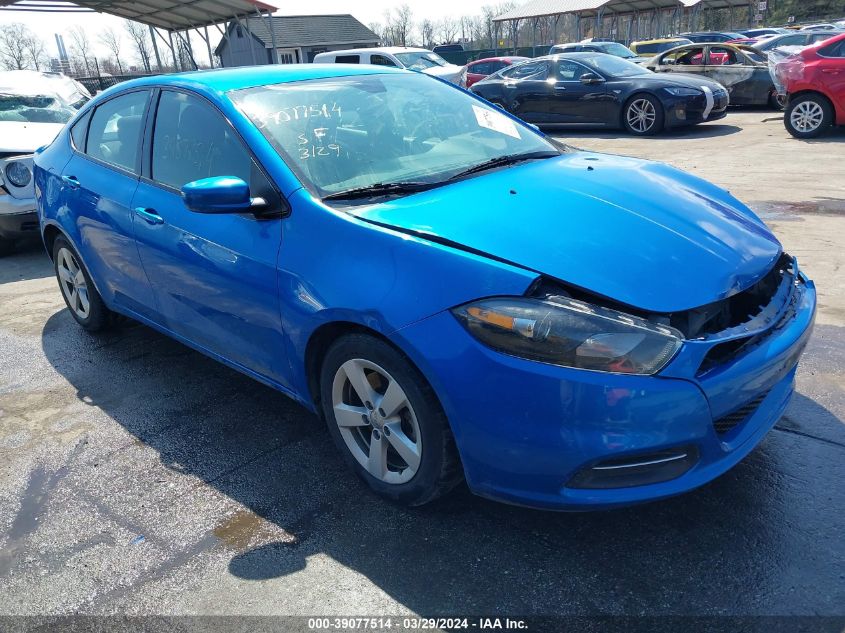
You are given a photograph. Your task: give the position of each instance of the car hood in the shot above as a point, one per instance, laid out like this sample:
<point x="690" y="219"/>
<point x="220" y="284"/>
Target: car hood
<point x="450" y="72"/>
<point x="640" y="233"/>
<point x="678" y="79"/>
<point x="25" y="138"/>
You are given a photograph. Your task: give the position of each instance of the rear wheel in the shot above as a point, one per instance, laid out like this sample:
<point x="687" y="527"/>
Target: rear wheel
<point x="643" y="115"/>
<point x="81" y="297"/>
<point x="808" y="116"/>
<point x="387" y="421"/>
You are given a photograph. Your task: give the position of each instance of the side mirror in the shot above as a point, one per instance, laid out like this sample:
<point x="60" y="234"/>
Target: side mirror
<point x="591" y="78"/>
<point x="220" y="194"/>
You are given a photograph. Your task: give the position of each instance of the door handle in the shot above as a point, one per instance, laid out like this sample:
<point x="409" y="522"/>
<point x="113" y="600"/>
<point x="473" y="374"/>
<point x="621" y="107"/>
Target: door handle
<point x="560" y="88"/>
<point x="71" y="181"/>
<point x="831" y="71"/>
<point x="149" y="215"/>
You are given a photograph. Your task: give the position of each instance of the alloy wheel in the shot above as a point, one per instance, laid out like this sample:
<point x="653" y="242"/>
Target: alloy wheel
<point x="73" y="284"/>
<point x="641" y="115"/>
<point x="807" y="116"/>
<point x="376" y="421"/>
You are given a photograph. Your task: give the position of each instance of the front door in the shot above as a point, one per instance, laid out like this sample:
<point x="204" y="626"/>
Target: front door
<point x="214" y="276"/>
<point x="574" y="101"/>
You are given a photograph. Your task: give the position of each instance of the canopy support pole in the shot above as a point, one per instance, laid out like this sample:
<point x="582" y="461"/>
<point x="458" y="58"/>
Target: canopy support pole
<point x="155" y="48"/>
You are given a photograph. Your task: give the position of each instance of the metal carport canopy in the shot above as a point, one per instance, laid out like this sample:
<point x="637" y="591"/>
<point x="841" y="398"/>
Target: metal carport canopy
<point x="588" y="8"/>
<point x="171" y="15"/>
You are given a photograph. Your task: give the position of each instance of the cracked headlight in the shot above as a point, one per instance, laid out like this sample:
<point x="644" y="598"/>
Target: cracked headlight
<point x="18" y="173"/>
<point x="562" y="331"/>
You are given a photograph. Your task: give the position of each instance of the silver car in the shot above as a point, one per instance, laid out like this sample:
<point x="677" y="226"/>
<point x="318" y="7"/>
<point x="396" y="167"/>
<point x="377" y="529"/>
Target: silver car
<point x="34" y="106"/>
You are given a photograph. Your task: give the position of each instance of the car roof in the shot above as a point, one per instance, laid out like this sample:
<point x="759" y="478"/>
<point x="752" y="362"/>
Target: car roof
<point x="661" y="40"/>
<point x="501" y="58"/>
<point x="225" y="79"/>
<point x="391" y="50"/>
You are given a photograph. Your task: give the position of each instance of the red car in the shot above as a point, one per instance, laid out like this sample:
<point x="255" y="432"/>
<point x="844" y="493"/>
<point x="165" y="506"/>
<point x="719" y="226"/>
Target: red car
<point x="481" y="68"/>
<point x="814" y="81"/>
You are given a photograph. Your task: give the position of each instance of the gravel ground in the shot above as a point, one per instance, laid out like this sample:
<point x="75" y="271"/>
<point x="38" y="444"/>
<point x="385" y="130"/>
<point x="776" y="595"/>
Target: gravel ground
<point x="139" y="477"/>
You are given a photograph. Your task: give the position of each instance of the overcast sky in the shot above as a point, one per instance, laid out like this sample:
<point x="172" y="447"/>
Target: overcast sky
<point x="46" y="25"/>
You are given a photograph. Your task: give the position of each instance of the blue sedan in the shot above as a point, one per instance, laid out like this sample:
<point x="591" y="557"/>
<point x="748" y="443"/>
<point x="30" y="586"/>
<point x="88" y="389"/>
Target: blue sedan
<point x="456" y="295"/>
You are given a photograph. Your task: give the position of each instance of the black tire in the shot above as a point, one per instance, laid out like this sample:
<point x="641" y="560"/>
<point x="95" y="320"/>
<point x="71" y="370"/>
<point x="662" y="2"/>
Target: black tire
<point x="659" y="117"/>
<point x="99" y="316"/>
<point x="6" y="246"/>
<point x="804" y="102"/>
<point x="440" y="469"/>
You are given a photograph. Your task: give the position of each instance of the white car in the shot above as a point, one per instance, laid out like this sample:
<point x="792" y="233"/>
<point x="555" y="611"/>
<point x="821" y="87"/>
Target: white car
<point x="419" y="59"/>
<point x="34" y="106"/>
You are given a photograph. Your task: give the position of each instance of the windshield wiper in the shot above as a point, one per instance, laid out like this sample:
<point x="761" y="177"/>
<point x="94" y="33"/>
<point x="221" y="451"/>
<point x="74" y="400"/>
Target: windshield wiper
<point x="380" y="189"/>
<point x="501" y="161"/>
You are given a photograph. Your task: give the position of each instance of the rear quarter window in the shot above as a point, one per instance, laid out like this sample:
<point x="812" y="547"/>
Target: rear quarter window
<point x="347" y="59"/>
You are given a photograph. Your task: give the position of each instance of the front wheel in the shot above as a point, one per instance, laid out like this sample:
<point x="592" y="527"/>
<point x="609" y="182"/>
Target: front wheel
<point x="643" y="115"/>
<point x="808" y="116"/>
<point x="387" y="422"/>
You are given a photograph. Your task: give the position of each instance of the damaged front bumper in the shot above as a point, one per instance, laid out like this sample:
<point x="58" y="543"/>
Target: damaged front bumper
<point x="689" y="111"/>
<point x="553" y="437"/>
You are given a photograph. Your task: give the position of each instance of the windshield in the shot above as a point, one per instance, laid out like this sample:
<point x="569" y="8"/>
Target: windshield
<point x="345" y="133"/>
<point x="420" y="60"/>
<point x="614" y="48"/>
<point x="614" y="66"/>
<point x="34" y="109"/>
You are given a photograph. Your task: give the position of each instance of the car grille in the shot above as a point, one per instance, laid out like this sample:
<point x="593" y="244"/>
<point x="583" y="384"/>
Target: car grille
<point x="728" y="423"/>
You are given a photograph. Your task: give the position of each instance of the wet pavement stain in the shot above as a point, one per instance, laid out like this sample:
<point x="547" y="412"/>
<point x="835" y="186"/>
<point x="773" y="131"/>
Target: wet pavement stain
<point x="793" y="210"/>
<point x="244" y="529"/>
<point x="29" y="418"/>
<point x="28" y="519"/>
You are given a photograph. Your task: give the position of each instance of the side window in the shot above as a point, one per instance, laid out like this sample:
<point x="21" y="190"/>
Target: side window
<point x="381" y="60"/>
<point x="79" y="131"/>
<point x="833" y="50"/>
<point x="685" y="57"/>
<point x="535" y="70"/>
<point x="347" y="59"/>
<point x="569" y="71"/>
<point x="482" y="68"/>
<point x="192" y="140"/>
<point x="114" y="135"/>
<point x="494" y="67"/>
<point x="722" y="56"/>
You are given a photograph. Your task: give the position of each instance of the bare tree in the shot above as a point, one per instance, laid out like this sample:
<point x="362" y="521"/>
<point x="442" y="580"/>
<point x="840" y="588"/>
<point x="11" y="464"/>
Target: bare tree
<point x="448" y="30"/>
<point x="112" y="41"/>
<point x="399" y="21"/>
<point x="377" y="28"/>
<point x="140" y="37"/>
<point x="14" y="54"/>
<point x="80" y="45"/>
<point x="427" y="33"/>
<point x="36" y="51"/>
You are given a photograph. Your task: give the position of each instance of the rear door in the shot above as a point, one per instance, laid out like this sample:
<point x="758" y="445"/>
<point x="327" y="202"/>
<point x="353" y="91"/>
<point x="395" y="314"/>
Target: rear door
<point x="527" y="92"/>
<point x="99" y="182"/>
<point x="574" y="101"/>
<point x="748" y="83"/>
<point x="831" y="73"/>
<point x="214" y="276"/>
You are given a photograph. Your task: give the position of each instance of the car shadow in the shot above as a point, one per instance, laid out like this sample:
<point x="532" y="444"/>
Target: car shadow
<point x="756" y="539"/>
<point x="712" y="130"/>
<point x="28" y="261"/>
